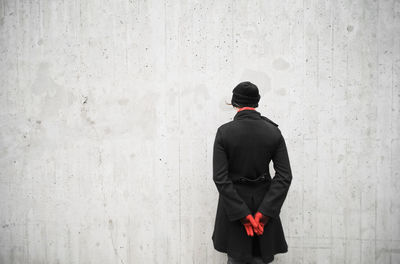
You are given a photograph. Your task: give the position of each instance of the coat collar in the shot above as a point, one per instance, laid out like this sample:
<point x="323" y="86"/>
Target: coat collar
<point x="250" y="114"/>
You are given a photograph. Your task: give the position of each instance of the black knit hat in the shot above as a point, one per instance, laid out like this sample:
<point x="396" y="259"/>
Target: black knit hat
<point x="245" y="94"/>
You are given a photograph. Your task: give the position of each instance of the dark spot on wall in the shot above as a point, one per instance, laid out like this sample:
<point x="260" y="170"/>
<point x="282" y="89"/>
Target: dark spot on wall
<point x="349" y="28"/>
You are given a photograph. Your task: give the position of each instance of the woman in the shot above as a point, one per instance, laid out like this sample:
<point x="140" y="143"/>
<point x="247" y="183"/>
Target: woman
<point x="247" y="224"/>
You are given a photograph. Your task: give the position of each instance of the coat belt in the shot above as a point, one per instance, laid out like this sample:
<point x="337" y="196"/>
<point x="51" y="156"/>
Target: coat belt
<point x="260" y="178"/>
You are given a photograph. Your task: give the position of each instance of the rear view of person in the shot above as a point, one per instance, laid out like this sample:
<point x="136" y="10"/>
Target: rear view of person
<point x="247" y="224"/>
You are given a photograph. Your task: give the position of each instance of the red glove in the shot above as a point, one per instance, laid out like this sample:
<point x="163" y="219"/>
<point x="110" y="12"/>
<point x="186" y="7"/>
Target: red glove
<point x="249" y="223"/>
<point x="261" y="221"/>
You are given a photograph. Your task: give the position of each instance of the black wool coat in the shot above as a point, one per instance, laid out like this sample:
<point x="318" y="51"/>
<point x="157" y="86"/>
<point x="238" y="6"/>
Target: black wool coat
<point x="243" y="148"/>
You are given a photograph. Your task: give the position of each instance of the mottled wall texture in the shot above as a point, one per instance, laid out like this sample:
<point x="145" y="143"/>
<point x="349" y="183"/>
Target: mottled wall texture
<point x="109" y="110"/>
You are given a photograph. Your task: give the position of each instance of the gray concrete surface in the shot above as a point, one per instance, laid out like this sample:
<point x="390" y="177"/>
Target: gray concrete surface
<point x="109" y="109"/>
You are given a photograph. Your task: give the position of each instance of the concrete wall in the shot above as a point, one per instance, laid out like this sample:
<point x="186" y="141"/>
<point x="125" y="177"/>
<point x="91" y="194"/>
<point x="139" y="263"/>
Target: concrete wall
<point x="109" y="109"/>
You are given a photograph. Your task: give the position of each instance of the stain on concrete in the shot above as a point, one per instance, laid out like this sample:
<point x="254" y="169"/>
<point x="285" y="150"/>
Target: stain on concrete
<point x="200" y="95"/>
<point x="281" y="91"/>
<point x="123" y="101"/>
<point x="50" y="97"/>
<point x="144" y="114"/>
<point x="340" y="158"/>
<point x="85" y="116"/>
<point x="259" y="78"/>
<point x="280" y="64"/>
<point x="172" y="97"/>
<point x="256" y="37"/>
<point x="195" y="94"/>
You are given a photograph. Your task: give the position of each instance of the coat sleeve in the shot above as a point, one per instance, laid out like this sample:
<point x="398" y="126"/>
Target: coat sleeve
<point x="276" y="195"/>
<point x="233" y="204"/>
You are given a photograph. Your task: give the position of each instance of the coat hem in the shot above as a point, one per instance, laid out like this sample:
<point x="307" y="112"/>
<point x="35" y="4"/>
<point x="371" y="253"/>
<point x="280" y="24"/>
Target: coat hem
<point x="269" y="259"/>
